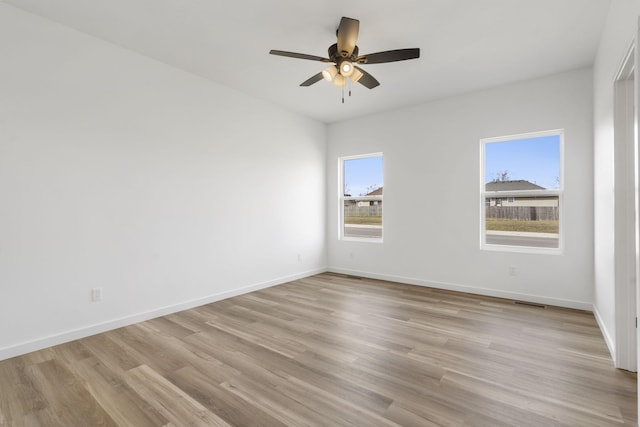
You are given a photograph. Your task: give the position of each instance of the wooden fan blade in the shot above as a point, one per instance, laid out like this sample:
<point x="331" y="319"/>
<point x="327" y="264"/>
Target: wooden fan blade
<point x="367" y="80"/>
<point x="347" y="36"/>
<point x="298" y="55"/>
<point x="312" y="80"/>
<point x="389" y="56"/>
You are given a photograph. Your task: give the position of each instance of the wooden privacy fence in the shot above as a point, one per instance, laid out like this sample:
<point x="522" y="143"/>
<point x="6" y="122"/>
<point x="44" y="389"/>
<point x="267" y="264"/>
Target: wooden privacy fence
<point x="523" y="213"/>
<point x="354" y="210"/>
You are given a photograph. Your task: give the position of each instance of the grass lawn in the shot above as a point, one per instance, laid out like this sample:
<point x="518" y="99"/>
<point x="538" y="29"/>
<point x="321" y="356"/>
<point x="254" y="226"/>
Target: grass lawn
<point x="527" y="226"/>
<point x="368" y="220"/>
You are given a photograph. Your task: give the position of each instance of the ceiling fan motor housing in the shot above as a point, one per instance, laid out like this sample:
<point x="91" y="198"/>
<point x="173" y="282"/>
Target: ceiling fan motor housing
<point x="337" y="56"/>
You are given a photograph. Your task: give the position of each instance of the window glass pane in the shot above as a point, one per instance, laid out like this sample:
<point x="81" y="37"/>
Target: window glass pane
<point x="362" y="218"/>
<point x="528" y="164"/>
<point x="528" y="221"/>
<point x="363" y="176"/>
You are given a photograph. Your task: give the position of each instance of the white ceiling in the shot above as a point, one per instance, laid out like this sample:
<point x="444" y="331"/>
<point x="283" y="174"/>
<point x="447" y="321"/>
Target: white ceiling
<point x="466" y="45"/>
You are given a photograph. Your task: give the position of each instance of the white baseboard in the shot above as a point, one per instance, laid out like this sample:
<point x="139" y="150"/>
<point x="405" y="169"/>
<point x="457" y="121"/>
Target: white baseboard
<point x="63" y="337"/>
<point x="71" y="335"/>
<point x="579" y="305"/>
<point x="605" y="333"/>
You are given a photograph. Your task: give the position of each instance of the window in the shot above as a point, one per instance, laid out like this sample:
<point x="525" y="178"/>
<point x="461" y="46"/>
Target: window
<point x="522" y="192"/>
<point x="361" y="204"/>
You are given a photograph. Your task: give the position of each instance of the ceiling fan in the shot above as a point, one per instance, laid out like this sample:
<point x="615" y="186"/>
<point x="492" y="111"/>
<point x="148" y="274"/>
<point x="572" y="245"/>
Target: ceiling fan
<point x="344" y="56"/>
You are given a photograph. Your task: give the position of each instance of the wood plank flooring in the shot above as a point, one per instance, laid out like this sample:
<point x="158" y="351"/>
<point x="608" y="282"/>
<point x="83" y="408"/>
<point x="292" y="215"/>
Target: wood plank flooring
<point x="330" y="350"/>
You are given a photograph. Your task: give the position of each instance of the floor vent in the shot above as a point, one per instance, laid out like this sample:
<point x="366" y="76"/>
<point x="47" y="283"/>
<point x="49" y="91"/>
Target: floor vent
<point x="346" y="276"/>
<point x="531" y="304"/>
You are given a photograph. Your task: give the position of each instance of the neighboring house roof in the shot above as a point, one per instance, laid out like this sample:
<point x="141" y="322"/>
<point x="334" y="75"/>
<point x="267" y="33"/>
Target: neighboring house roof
<point x="377" y="192"/>
<point x="520" y="184"/>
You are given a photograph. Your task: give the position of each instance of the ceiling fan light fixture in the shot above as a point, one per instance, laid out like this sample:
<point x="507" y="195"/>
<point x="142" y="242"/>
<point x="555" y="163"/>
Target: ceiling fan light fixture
<point x="340" y="81"/>
<point x="346" y="68"/>
<point x="355" y="75"/>
<point x="330" y="73"/>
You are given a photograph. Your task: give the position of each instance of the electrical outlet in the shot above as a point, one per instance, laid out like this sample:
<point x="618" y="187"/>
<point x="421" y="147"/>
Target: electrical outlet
<point x="299" y="258"/>
<point x="96" y="294"/>
<point x="513" y="271"/>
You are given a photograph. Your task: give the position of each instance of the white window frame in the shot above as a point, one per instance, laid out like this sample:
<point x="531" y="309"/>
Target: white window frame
<point x="559" y="192"/>
<point x="342" y="198"/>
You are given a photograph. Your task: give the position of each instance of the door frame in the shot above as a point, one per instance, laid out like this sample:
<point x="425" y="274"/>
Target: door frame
<point x="626" y="100"/>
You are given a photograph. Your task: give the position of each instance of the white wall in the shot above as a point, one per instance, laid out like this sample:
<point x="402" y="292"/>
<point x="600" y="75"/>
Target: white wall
<point x="619" y="31"/>
<point x="432" y="200"/>
<point x="119" y="172"/>
<point x="164" y="189"/>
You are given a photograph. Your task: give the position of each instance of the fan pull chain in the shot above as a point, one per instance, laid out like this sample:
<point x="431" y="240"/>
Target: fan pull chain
<point x="343" y="94"/>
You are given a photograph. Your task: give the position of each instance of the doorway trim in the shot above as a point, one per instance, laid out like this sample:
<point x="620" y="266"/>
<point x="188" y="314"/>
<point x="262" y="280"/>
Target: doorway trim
<point x="625" y="206"/>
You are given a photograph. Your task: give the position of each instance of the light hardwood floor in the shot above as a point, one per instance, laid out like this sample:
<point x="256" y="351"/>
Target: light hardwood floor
<point x="330" y="350"/>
